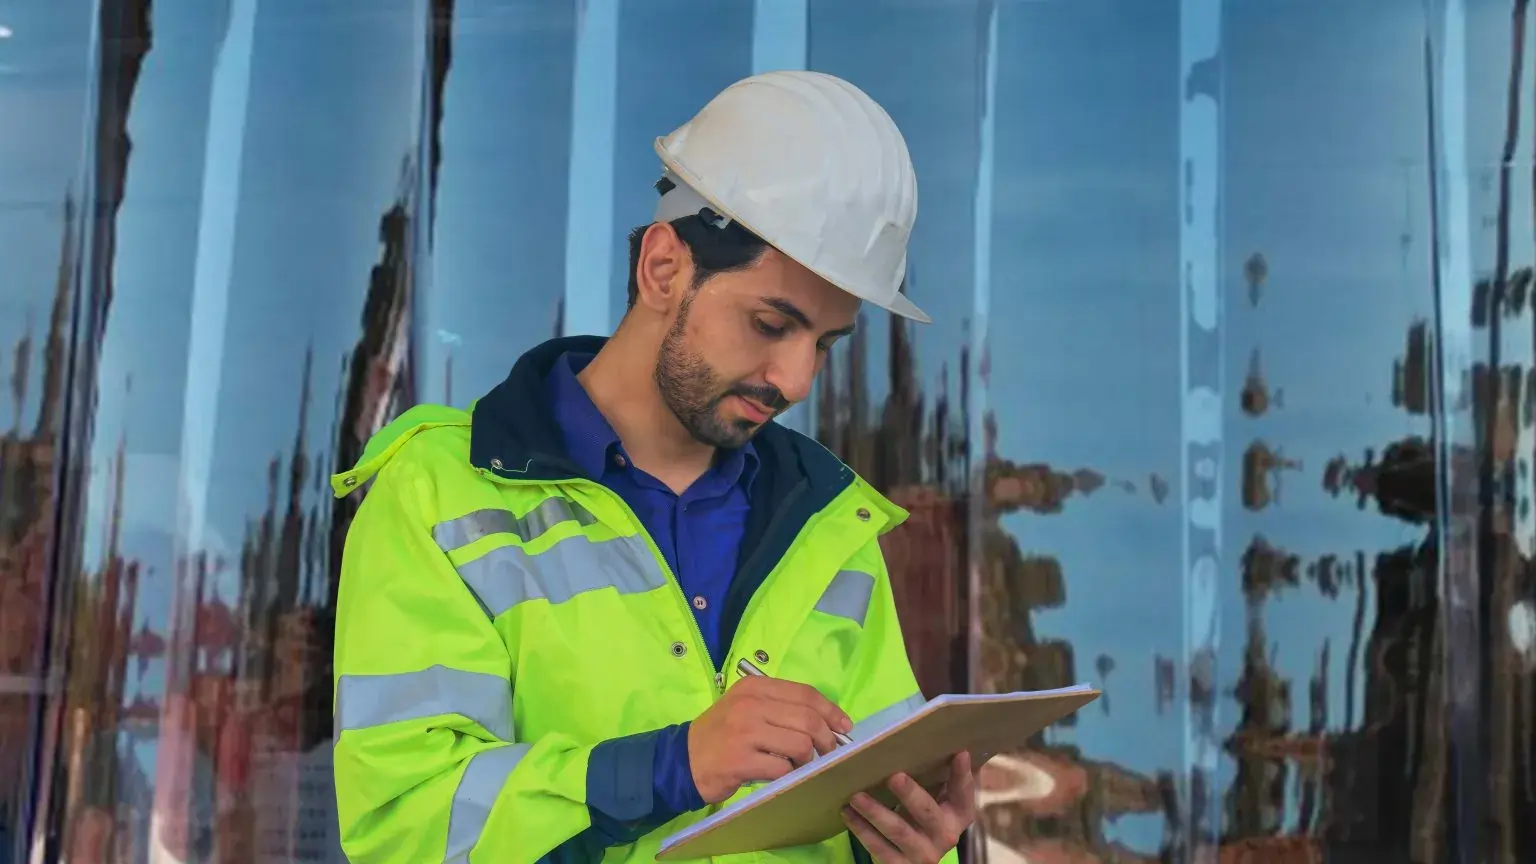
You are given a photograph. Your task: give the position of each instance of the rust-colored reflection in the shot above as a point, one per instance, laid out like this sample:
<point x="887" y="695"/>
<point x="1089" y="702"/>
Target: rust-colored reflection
<point x="1047" y="804"/>
<point x="193" y="716"/>
<point x="42" y="474"/>
<point x="917" y="453"/>
<point x="29" y="501"/>
<point x="1376" y="701"/>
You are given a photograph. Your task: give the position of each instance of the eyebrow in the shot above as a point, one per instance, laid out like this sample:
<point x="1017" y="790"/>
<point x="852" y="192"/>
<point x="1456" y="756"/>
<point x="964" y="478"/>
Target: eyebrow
<point x="790" y="310"/>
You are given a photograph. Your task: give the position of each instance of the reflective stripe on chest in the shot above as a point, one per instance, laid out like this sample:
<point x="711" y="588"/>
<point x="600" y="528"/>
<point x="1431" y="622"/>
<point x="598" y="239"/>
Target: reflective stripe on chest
<point x="506" y="576"/>
<point x="509" y="572"/>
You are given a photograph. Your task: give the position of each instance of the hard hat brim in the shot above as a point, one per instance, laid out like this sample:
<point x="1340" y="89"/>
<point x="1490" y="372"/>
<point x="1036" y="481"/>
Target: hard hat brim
<point x="898" y="305"/>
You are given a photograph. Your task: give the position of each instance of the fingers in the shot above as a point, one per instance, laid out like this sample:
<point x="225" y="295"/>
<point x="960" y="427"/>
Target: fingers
<point x="925" y="828"/>
<point x="912" y="844"/>
<point x="762" y="767"/>
<point x="835" y="717"/>
<point x="800" y="694"/>
<point x="796" y="706"/>
<point x="802" y="719"/>
<point x="791" y="744"/>
<point x="927" y="813"/>
<point x="760" y="731"/>
<point x="960" y="791"/>
<point x="874" y="842"/>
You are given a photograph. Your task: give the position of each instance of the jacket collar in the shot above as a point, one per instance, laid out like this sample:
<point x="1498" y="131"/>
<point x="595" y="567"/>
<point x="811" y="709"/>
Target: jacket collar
<point x="514" y="435"/>
<point x="591" y="442"/>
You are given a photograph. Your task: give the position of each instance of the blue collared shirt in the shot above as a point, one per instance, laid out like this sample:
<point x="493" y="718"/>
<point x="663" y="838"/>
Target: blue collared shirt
<point x="699" y="533"/>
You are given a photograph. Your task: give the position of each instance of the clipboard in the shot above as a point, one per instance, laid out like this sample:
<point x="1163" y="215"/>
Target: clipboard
<point x="804" y="806"/>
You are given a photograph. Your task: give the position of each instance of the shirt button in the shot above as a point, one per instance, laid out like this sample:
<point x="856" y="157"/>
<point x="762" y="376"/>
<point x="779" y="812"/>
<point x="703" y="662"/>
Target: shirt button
<point x="618" y="459"/>
<point x="699" y="602"/>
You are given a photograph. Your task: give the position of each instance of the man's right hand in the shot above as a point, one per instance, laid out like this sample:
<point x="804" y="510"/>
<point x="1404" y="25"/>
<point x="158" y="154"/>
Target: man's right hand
<point x="758" y="731"/>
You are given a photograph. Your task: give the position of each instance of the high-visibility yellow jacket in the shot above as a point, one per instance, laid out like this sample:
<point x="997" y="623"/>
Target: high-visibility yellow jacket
<point x="510" y="641"/>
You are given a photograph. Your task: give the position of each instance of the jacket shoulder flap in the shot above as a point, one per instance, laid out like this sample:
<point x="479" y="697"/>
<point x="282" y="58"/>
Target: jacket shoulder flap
<point x="387" y="443"/>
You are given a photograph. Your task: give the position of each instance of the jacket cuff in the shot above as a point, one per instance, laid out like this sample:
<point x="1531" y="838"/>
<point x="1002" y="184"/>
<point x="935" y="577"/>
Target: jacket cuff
<point x="620" y="797"/>
<point x="636" y="784"/>
<point x="672" y="774"/>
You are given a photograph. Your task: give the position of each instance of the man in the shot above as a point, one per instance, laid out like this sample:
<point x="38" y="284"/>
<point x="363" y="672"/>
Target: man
<point x="544" y="600"/>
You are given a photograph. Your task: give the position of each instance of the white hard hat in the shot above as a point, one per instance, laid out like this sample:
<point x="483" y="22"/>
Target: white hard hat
<point x="813" y="166"/>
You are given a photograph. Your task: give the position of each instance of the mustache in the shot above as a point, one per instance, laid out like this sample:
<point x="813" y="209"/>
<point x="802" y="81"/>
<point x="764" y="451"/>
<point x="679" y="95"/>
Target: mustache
<point x="766" y="395"/>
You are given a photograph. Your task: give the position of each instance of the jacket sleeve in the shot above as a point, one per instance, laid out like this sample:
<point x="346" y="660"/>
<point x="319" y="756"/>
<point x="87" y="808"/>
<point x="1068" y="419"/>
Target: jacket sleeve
<point x="881" y="687"/>
<point x="428" y="763"/>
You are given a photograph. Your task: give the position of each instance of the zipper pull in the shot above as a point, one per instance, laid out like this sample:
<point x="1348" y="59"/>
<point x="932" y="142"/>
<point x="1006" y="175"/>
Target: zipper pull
<point x="719" y="683"/>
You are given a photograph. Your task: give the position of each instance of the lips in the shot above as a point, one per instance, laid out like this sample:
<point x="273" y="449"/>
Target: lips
<point x="756" y="413"/>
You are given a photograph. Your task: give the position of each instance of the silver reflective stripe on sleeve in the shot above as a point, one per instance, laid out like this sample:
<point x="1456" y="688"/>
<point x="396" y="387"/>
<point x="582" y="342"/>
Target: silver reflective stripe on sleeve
<point x="483" y="780"/>
<point x="886" y="716"/>
<point x="460" y="532"/>
<point x="848" y="596"/>
<point x="509" y="575"/>
<point x="363" y="701"/>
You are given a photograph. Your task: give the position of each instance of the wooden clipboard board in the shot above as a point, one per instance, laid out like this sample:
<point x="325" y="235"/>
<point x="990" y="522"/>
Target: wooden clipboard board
<point x="804" y="806"/>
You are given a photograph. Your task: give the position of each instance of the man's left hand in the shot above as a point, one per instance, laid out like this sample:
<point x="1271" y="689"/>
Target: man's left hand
<point x="927" y="828"/>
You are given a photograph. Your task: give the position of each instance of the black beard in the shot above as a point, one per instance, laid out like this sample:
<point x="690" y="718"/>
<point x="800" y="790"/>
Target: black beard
<point x="693" y="392"/>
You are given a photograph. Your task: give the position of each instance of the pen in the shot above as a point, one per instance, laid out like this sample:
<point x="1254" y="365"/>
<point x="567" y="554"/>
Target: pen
<point x="747" y="668"/>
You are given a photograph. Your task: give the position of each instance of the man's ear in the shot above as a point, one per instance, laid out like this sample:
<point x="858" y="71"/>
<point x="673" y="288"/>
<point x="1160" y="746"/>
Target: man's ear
<point x="664" y="270"/>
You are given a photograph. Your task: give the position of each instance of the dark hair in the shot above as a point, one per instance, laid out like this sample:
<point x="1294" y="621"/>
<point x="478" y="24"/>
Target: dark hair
<point x="714" y="250"/>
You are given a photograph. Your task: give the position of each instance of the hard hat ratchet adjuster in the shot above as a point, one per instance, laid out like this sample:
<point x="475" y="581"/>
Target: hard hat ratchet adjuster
<point x="681" y="200"/>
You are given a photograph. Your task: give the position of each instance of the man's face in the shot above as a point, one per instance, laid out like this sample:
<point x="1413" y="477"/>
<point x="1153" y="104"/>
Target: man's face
<point x="746" y="345"/>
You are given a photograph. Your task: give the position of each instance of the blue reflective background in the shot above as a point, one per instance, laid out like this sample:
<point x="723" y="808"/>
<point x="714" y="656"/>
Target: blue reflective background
<point x="1206" y="416"/>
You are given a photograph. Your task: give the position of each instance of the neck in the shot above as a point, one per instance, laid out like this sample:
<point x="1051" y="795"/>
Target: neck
<point x="620" y="381"/>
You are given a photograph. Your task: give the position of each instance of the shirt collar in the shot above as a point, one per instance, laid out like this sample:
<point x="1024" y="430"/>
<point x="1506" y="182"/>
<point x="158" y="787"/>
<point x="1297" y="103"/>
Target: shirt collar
<point x="591" y="443"/>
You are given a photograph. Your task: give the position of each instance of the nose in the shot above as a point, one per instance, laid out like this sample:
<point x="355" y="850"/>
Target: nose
<point x="794" y="370"/>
